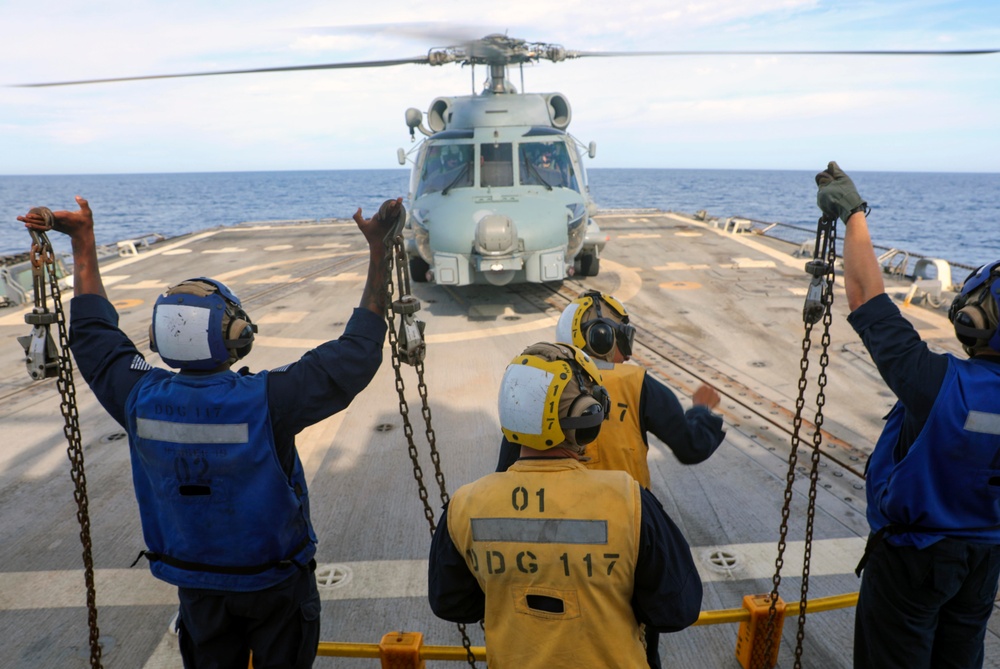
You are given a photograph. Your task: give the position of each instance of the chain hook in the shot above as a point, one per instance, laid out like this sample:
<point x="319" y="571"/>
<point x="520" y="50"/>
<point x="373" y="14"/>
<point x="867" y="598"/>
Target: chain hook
<point x="819" y="268"/>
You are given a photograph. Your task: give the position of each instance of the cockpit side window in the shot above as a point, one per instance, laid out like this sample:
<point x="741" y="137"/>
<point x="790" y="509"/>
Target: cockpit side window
<point x="497" y="165"/>
<point x="546" y="164"/>
<point x="446" y="166"/>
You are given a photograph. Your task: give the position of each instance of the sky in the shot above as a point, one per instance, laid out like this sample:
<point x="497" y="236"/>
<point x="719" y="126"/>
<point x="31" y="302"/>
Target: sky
<point x="887" y="113"/>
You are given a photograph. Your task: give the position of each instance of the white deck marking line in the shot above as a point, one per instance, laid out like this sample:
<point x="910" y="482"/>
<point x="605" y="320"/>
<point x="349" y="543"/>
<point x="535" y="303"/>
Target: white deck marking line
<point x="384" y="579"/>
<point x="677" y="266"/>
<point x="277" y="278"/>
<point x="148" y="284"/>
<point x="290" y="224"/>
<point x="750" y="263"/>
<point x="343" y="276"/>
<point x="328" y="245"/>
<point x="282" y="317"/>
<point x="233" y="274"/>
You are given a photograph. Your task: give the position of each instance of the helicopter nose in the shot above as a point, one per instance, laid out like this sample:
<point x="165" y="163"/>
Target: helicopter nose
<point x="496" y="235"/>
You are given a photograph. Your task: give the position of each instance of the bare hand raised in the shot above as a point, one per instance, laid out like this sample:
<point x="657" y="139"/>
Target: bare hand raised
<point x="70" y="223"/>
<point x="379" y="229"/>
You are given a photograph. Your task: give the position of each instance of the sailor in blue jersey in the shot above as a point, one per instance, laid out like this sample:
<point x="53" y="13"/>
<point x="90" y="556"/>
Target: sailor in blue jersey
<point x="221" y="491"/>
<point x="932" y="561"/>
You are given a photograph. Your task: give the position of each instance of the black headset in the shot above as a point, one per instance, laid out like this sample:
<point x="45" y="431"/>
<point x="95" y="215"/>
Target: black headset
<point x="588" y="411"/>
<point x="601" y="334"/>
<point x="971" y="322"/>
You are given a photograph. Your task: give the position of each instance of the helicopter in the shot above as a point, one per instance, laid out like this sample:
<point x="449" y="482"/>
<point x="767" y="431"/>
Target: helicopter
<point x="498" y="189"/>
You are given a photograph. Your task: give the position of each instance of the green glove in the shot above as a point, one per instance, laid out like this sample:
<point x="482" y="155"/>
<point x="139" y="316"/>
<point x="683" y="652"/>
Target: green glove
<point x="837" y="195"/>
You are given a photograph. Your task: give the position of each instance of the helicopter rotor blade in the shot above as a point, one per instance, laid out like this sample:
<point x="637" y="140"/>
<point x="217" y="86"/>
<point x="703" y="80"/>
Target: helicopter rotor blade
<point x="419" y="60"/>
<point x="500" y="49"/>
<point x="873" y="52"/>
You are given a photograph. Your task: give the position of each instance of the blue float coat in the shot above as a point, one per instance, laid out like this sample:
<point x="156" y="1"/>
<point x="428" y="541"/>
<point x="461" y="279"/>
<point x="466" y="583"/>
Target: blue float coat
<point x="321" y="383"/>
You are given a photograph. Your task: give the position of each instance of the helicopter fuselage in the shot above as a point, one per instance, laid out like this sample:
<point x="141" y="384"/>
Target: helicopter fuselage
<point x="499" y="194"/>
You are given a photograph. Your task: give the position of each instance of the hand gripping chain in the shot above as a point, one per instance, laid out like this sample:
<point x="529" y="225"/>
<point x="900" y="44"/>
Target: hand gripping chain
<point x="409" y="347"/>
<point x="819" y="300"/>
<point x="43" y="361"/>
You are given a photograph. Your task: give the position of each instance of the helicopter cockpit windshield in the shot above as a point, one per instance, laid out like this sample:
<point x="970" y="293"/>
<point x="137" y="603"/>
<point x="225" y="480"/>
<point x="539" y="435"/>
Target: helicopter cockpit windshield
<point x="446" y="167"/>
<point x="547" y="164"/>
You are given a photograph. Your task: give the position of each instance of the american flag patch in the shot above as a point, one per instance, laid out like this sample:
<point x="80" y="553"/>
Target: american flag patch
<point x="139" y="364"/>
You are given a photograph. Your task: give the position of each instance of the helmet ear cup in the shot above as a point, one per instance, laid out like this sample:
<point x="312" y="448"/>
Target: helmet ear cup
<point x="583" y="408"/>
<point x="971" y="325"/>
<point x="601" y="338"/>
<point x="240" y="332"/>
<point x="152" y="339"/>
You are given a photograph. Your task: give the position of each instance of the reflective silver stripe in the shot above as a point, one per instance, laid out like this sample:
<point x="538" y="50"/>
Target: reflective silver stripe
<point x="540" y="530"/>
<point x="985" y="423"/>
<point x="192" y="433"/>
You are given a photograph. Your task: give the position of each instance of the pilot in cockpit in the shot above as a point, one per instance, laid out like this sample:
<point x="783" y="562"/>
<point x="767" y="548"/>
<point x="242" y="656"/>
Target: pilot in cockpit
<point x="547" y="167"/>
<point x="545" y="160"/>
<point x="450" y="169"/>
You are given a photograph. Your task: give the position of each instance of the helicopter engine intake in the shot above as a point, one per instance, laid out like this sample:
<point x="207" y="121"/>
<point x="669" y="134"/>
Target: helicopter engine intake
<point x="560" y="113"/>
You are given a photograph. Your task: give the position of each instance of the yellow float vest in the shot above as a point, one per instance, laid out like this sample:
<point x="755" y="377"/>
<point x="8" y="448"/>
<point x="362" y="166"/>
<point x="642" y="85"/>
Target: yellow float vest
<point x="620" y="446"/>
<point x="554" y="547"/>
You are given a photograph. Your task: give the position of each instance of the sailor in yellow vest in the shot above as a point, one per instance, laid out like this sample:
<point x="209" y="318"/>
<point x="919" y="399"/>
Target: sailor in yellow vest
<point x="599" y="324"/>
<point x="561" y="562"/>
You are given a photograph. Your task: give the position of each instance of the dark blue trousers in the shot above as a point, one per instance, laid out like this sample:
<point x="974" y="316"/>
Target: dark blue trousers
<point x="924" y="609"/>
<point x="217" y="629"/>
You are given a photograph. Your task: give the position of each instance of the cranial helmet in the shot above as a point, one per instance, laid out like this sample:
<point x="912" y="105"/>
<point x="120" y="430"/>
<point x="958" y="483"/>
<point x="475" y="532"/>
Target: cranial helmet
<point x="974" y="311"/>
<point x="596" y="323"/>
<point x="551" y="395"/>
<point x="199" y="324"/>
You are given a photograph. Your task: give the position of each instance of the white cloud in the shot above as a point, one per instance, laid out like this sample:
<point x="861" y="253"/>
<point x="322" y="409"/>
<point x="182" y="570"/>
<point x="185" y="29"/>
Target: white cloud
<point x="640" y="110"/>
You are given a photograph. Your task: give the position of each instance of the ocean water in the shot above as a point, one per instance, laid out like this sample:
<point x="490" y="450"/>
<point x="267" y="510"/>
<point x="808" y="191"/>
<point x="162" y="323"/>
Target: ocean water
<point x="950" y="216"/>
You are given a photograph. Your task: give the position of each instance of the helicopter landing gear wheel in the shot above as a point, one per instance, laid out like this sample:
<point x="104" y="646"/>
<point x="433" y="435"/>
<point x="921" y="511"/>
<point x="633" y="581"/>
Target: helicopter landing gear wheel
<point x="419" y="269"/>
<point x="587" y="264"/>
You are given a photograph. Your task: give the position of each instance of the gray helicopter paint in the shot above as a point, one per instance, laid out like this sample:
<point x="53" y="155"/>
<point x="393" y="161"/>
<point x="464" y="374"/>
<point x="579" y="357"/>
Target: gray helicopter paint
<point x="551" y="224"/>
<point x="486" y="111"/>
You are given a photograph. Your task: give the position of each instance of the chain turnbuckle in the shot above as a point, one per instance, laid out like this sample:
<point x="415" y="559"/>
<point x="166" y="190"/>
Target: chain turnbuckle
<point x="41" y="354"/>
<point x="410" y="340"/>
